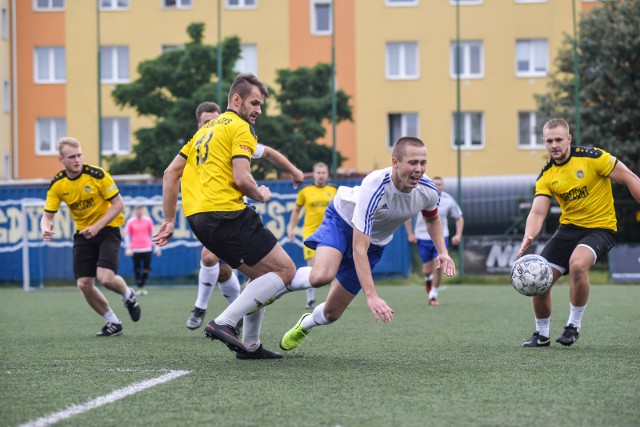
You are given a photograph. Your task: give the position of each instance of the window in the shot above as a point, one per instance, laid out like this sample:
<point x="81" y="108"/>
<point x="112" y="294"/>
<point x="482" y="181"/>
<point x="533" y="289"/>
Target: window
<point x="5" y="23"/>
<point x="401" y="124"/>
<point x="116" y="137"/>
<point x="400" y="3"/>
<point x="321" y="24"/>
<point x="527" y="130"/>
<point x="471" y="60"/>
<point x="248" y="60"/>
<point x="114" y="64"/>
<point x="402" y="60"/>
<point x="48" y="5"/>
<point x="472" y="130"/>
<point x="241" y="4"/>
<point x="48" y="132"/>
<point x="49" y="65"/>
<point x="176" y="4"/>
<point x="114" y="4"/>
<point x="6" y="96"/>
<point x="532" y="58"/>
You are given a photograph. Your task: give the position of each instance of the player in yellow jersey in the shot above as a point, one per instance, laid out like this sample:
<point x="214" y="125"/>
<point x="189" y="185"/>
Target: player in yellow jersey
<point x="580" y="180"/>
<point x="215" y="166"/>
<point x="314" y="199"/>
<point x="213" y="271"/>
<point x="96" y="207"/>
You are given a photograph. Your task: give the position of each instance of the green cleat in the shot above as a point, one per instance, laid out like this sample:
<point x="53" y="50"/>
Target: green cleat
<point x="295" y="335"/>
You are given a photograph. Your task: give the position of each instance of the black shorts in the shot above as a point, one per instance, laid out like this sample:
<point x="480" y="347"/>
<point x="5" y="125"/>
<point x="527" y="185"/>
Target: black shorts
<point x="242" y="239"/>
<point x="142" y="259"/>
<point x="567" y="237"/>
<point x="103" y="250"/>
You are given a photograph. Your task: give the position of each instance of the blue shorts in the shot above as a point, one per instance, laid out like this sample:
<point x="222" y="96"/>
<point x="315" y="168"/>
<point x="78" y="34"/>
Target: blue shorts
<point x="427" y="249"/>
<point x="338" y="234"/>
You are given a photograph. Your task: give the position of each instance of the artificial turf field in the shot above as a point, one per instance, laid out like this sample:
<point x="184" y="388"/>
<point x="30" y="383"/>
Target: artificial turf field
<point x="459" y="364"/>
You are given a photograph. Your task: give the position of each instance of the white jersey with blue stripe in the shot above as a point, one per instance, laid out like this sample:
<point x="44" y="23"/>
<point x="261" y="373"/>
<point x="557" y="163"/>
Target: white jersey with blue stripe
<point x="448" y="207"/>
<point x="377" y="208"/>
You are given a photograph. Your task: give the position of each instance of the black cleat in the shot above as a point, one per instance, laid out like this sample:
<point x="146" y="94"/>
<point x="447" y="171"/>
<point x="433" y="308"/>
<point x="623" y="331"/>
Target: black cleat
<point x="134" y="308"/>
<point x="537" y="340"/>
<point x="110" y="330"/>
<point x="260" y="353"/>
<point x="310" y="304"/>
<point x="569" y="336"/>
<point x="227" y="334"/>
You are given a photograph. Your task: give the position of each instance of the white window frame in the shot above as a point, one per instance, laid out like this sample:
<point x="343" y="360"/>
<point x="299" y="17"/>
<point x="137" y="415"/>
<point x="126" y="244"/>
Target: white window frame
<point x="404" y="127"/>
<point x="54" y="134"/>
<point x="243" y="64"/>
<point x="5" y="23"/>
<point x="401" y="3"/>
<point x="532" y="72"/>
<point x="402" y="74"/>
<point x="49" y="7"/>
<point x="115" y="123"/>
<point x="535" y="140"/>
<point x="114" y="6"/>
<point x="465" y="54"/>
<point x="6" y="96"/>
<point x="467" y="131"/>
<point x="115" y="65"/>
<point x="51" y="69"/>
<point x="180" y="4"/>
<point x="314" y="17"/>
<point x="242" y="4"/>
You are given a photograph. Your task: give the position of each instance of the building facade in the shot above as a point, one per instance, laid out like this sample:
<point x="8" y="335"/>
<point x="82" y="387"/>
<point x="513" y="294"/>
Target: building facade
<point x="395" y="58"/>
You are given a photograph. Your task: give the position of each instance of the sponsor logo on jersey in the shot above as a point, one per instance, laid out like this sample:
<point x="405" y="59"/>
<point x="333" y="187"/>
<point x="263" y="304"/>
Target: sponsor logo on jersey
<point x="580" y="174"/>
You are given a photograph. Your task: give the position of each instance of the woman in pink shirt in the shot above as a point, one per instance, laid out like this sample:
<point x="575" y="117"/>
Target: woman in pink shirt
<point x="137" y="240"/>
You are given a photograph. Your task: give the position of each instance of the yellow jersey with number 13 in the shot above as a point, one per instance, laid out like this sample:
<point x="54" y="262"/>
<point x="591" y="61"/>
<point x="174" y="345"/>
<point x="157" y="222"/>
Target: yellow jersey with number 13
<point x="207" y="179"/>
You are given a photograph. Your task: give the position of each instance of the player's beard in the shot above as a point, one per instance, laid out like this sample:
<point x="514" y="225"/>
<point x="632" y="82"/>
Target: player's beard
<point x="242" y="112"/>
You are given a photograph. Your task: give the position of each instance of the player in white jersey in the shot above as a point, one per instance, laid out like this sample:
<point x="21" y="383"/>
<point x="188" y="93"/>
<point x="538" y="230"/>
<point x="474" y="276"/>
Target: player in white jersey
<point x="427" y="250"/>
<point x="358" y="223"/>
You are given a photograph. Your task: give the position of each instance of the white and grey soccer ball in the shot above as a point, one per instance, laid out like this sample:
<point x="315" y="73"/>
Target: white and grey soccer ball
<point x="531" y="275"/>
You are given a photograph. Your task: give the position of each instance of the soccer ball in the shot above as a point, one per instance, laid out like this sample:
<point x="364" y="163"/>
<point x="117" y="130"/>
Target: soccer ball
<point x="531" y="275"/>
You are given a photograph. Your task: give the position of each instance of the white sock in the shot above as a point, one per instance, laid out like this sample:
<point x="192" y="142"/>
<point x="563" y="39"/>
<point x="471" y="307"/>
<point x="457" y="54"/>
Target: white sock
<point x="207" y="279"/>
<point x="251" y="329"/>
<point x="231" y="288"/>
<point x="316" y="319"/>
<point x="311" y="295"/>
<point x="110" y="317"/>
<point x="575" y="315"/>
<point x="542" y="326"/>
<point x="256" y="292"/>
<point x="433" y="293"/>
<point x="128" y="294"/>
<point x="300" y="281"/>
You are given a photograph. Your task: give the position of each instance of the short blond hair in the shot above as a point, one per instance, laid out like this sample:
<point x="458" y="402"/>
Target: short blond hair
<point x="67" y="140"/>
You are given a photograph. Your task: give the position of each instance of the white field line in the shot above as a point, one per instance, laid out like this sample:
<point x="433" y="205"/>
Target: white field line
<point x="102" y="400"/>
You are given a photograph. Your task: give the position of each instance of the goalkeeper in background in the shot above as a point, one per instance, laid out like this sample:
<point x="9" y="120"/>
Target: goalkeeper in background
<point x="96" y="206"/>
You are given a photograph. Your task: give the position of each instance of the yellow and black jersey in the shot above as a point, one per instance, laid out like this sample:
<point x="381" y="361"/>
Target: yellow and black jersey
<point x="581" y="187"/>
<point x="88" y="196"/>
<point x="207" y="179"/>
<point x="314" y="200"/>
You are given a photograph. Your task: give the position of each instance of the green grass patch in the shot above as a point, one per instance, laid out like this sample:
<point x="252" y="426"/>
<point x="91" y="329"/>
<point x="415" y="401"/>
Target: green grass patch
<point x="457" y="364"/>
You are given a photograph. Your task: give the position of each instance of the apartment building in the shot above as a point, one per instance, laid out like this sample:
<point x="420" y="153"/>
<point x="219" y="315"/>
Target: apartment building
<point x="396" y="58"/>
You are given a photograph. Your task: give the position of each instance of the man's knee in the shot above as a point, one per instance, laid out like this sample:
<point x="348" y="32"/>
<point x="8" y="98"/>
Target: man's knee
<point x="85" y="284"/>
<point x="208" y="259"/>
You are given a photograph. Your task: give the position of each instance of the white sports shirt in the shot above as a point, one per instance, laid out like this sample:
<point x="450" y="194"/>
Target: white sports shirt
<point x="448" y="206"/>
<point x="377" y="208"/>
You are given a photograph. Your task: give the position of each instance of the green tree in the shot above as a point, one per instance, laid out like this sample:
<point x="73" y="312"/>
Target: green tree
<point x="172" y="85"/>
<point x="169" y="89"/>
<point x="304" y="100"/>
<point x="608" y="50"/>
